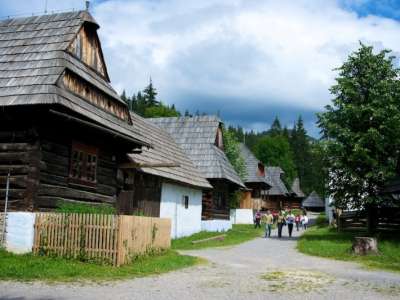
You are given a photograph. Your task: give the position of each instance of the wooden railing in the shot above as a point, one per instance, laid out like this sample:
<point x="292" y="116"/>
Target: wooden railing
<point x="114" y="239"/>
<point x="388" y="219"/>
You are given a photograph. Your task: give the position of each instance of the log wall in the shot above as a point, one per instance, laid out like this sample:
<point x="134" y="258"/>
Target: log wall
<point x="56" y="186"/>
<point x="19" y="155"/>
<point x="210" y="209"/>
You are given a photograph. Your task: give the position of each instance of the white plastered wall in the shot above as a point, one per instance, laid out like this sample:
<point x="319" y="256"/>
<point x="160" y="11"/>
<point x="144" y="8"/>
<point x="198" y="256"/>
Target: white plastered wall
<point x="184" y="221"/>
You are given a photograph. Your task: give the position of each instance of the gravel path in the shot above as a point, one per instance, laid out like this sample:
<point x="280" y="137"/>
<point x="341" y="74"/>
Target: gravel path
<point x="259" y="269"/>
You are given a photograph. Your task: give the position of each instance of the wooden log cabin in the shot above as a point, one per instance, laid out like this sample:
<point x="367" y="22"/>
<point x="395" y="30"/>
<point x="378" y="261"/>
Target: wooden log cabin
<point x="63" y="128"/>
<point x="277" y="196"/>
<point x="163" y="182"/>
<point x="201" y="140"/>
<point x="296" y="195"/>
<point x="255" y="180"/>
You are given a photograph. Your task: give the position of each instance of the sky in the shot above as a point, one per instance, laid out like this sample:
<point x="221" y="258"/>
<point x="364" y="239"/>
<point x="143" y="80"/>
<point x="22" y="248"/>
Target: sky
<point x="249" y="60"/>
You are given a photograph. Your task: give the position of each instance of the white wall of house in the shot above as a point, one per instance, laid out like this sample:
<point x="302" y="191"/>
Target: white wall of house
<point x="242" y="216"/>
<point x="20" y="232"/>
<point x="216" y="225"/>
<point x="184" y="221"/>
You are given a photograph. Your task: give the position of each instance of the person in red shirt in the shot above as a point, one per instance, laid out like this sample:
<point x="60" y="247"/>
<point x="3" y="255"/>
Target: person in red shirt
<point x="297" y="220"/>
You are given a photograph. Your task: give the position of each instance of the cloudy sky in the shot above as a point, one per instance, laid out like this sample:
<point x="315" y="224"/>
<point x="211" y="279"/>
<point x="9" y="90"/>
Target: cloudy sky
<point x="251" y="60"/>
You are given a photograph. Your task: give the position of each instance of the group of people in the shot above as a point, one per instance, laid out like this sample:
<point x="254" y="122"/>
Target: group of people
<point x="281" y="219"/>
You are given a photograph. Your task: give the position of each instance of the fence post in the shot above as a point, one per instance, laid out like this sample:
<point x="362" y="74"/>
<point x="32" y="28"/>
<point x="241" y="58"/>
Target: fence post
<point x="120" y="244"/>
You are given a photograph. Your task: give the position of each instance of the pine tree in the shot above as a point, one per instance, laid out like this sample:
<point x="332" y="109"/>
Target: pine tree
<point x="187" y="114"/>
<point x="276" y="128"/>
<point x="150" y="94"/>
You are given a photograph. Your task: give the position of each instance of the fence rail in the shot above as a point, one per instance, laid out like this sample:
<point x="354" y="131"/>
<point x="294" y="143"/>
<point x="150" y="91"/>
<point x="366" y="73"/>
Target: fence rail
<point x="114" y="239"/>
<point x="388" y="219"/>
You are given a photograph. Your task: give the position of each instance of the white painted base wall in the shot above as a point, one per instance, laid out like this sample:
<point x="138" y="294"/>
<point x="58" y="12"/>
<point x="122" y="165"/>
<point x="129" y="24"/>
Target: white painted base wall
<point x="184" y="221"/>
<point x="242" y="216"/>
<point x="20" y="232"/>
<point x="216" y="225"/>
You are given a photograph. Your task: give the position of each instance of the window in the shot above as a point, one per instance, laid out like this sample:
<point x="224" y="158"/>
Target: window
<point x="261" y="170"/>
<point x="185" y="201"/>
<point x="83" y="167"/>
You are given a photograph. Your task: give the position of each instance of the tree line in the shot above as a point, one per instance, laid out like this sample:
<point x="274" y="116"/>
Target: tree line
<point x="292" y="149"/>
<point x="298" y="154"/>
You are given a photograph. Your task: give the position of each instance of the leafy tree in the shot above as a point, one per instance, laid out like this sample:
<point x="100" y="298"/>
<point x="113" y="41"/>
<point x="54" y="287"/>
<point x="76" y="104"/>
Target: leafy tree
<point x="361" y="128"/>
<point x="161" y="111"/>
<point x="276" y="151"/>
<point x="232" y="151"/>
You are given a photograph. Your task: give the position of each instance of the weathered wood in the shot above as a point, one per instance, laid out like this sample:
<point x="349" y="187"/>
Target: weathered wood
<point x="14" y="147"/>
<point x="15" y="181"/>
<point x="56" y="148"/>
<point x="107" y="238"/>
<point x="14" y="169"/>
<point x="365" y="245"/>
<point x="53" y="179"/>
<point x="70" y="193"/>
<point x="54" y="169"/>
<point x="54" y="158"/>
<point x="14" y="157"/>
<point x="12" y="193"/>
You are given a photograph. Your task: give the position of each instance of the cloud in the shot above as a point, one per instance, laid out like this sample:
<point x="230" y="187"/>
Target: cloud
<point x="230" y="55"/>
<point x="249" y="59"/>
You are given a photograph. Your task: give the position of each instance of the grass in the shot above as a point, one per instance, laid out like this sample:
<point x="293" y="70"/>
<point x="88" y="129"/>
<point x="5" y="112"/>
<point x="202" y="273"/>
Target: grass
<point x="238" y="234"/>
<point x="28" y="267"/>
<point x="84" y="208"/>
<point x="321" y="240"/>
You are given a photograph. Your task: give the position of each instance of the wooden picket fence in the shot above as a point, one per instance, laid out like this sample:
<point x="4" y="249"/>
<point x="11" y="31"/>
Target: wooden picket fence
<point x="114" y="239"/>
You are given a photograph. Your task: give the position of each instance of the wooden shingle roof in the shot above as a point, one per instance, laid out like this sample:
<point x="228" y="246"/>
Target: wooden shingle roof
<point x="296" y="190"/>
<point x="278" y="186"/>
<point x="33" y="58"/>
<point x="313" y="200"/>
<point x="166" y="151"/>
<point x="196" y="136"/>
<point x="252" y="167"/>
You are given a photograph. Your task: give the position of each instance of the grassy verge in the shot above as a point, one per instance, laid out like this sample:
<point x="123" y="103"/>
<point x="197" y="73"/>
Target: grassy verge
<point x="327" y="242"/>
<point x="28" y="267"/>
<point x="238" y="234"/>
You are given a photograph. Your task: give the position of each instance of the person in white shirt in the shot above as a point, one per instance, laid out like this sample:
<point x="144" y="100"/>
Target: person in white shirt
<point x="305" y="222"/>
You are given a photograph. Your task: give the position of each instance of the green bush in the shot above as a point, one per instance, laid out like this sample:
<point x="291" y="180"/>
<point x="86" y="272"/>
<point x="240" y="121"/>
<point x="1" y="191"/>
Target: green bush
<point x="83" y="208"/>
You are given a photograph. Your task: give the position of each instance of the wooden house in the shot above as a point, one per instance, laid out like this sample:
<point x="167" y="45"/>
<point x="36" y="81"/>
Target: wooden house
<point x="296" y="195"/>
<point x="313" y="202"/>
<point x="277" y="196"/>
<point x="201" y="140"/>
<point x="163" y="182"/>
<point x="255" y="180"/>
<point x="63" y="129"/>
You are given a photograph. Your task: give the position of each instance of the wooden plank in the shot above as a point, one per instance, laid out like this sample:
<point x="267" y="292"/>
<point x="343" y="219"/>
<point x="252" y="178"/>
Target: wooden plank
<point x="14" y="169"/>
<point x="15" y="147"/>
<point x="70" y="193"/>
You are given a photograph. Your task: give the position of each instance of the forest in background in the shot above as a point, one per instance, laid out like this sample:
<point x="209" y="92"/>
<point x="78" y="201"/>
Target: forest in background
<point x="298" y="154"/>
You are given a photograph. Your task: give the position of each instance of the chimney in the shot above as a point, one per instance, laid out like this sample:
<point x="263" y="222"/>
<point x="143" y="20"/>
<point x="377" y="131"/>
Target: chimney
<point x="87" y="5"/>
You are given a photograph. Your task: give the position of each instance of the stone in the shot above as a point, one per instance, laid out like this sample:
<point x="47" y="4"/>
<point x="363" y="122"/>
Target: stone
<point x="365" y="245"/>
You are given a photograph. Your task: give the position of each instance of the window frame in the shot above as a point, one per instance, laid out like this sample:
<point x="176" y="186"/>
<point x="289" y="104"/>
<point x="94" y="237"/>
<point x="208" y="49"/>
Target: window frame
<point x="87" y="153"/>
<point x="185" y="201"/>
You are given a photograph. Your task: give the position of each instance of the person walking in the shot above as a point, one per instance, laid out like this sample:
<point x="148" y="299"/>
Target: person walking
<point x="257" y="220"/>
<point x="290" y="218"/>
<point x="305" y="222"/>
<point x="268" y="220"/>
<point x="297" y="220"/>
<point x="281" y="222"/>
